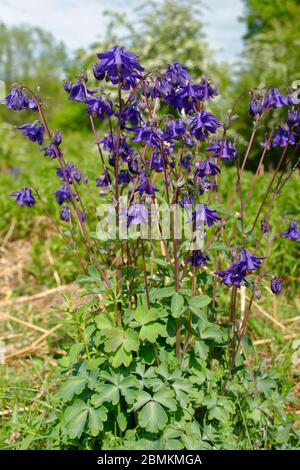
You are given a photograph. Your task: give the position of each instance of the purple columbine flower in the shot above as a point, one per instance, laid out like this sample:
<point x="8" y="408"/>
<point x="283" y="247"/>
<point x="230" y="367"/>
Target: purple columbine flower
<point x="62" y="194"/>
<point x="255" y="106"/>
<point x="265" y="226"/>
<point x="186" y="161"/>
<point x="284" y="136"/>
<point x="133" y="165"/>
<point x="17" y="99"/>
<point x="187" y="201"/>
<point x="276" y="285"/>
<point x="207" y="90"/>
<point x="234" y="275"/>
<point x="204" y="215"/>
<point x="293" y="117"/>
<point x="65" y="213"/>
<point x="207" y="168"/>
<point x="130" y="114"/>
<point x="198" y="258"/>
<point x="110" y="144"/>
<point x="161" y="88"/>
<point x="156" y="162"/>
<point x="118" y="64"/>
<point x="50" y="150"/>
<point x="124" y="177"/>
<point x="177" y="74"/>
<point x="229" y="152"/>
<point x="274" y="99"/>
<point x="78" y="92"/>
<point x="24" y="197"/>
<point x="147" y="134"/>
<point x="252" y="262"/>
<point x="137" y="214"/>
<point x="71" y="172"/>
<point x="292" y="232"/>
<point x="146" y="187"/>
<point x="103" y="181"/>
<point x="205" y="185"/>
<point x="174" y="129"/>
<point x="203" y="123"/>
<point x="34" y="131"/>
<point x="99" y="106"/>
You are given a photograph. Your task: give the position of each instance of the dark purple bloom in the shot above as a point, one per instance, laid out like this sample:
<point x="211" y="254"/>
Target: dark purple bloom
<point x="161" y="87"/>
<point x="293" y="117"/>
<point x="99" y="106"/>
<point x="292" y="98"/>
<point x="103" y="181"/>
<point x="229" y="152"/>
<point x="62" y="194"/>
<point x="67" y="86"/>
<point x="265" y="226"/>
<point x="146" y="187"/>
<point x="124" y="177"/>
<point x="274" y="99"/>
<point x="284" y="136"/>
<point x="24" y="197"/>
<point x="252" y="262"/>
<point x="292" y="232"/>
<point x="133" y="165"/>
<point x="207" y="168"/>
<point x="198" y="258"/>
<point x="255" y="106"/>
<point x="147" y="134"/>
<point x="187" y="200"/>
<point x="78" y="92"/>
<point x="206" y="90"/>
<point x="204" y="215"/>
<point x="137" y="214"/>
<point x="186" y="161"/>
<point x="203" y="123"/>
<point x="130" y="114"/>
<point x="276" y="285"/>
<point x="234" y="275"/>
<point x="110" y="144"/>
<point x="17" y="99"/>
<point x="174" y="129"/>
<point x="118" y="64"/>
<point x="71" y="172"/>
<point x="205" y="185"/>
<point x="177" y="74"/>
<point x="156" y="162"/>
<point x="34" y="131"/>
<point x="65" y="213"/>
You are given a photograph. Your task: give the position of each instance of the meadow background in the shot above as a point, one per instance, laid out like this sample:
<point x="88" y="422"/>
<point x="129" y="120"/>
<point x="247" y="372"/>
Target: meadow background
<point x="247" y="44"/>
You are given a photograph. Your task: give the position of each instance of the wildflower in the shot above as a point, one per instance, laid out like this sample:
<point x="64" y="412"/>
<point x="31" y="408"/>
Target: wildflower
<point x="78" y="92"/>
<point x="234" y="275"/>
<point x="110" y="144"/>
<point x="24" y="197"/>
<point x="177" y="74"/>
<point x="198" y="258"/>
<point x="203" y="123"/>
<point x="146" y="187"/>
<point x="255" y="106"/>
<point x="156" y="162"/>
<point x="187" y="201"/>
<point x="265" y="226"/>
<point x="118" y="64"/>
<point x="130" y="114"/>
<point x="205" y="185"/>
<point x="34" y="131"/>
<point x="204" y="215"/>
<point x="292" y="232"/>
<point x="225" y="150"/>
<point x="124" y="177"/>
<point x="161" y="88"/>
<point x="206" y="90"/>
<point x="252" y="262"/>
<point x="186" y="161"/>
<point x="53" y="150"/>
<point x="147" y="134"/>
<point x="174" y="129"/>
<point x="137" y="214"/>
<point x="103" y="181"/>
<point x="284" y="136"/>
<point x="207" y="168"/>
<point x="133" y="165"/>
<point x="62" y="194"/>
<point x="293" y="117"/>
<point x="65" y="213"/>
<point x="17" y="99"/>
<point x="274" y="99"/>
<point x="70" y="173"/>
<point x="276" y="285"/>
<point x="99" y="106"/>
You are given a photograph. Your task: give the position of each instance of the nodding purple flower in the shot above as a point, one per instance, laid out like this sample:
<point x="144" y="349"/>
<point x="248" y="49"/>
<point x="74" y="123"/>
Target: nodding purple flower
<point x="203" y="123"/>
<point x="130" y="114"/>
<point x="292" y="97"/>
<point x="276" y="285"/>
<point x="65" y="213"/>
<point x="99" y="106"/>
<point x="198" y="258"/>
<point x="204" y="215"/>
<point x="124" y="177"/>
<point x="110" y="144"/>
<point x="187" y="201"/>
<point x="62" y="194"/>
<point x="67" y="86"/>
<point x="137" y="214"/>
<point x="118" y="64"/>
<point x="24" y="197"/>
<point x="71" y="173"/>
<point x="156" y="162"/>
<point x="78" y="92"/>
<point x="146" y="187"/>
<point x="205" y="185"/>
<point x="177" y="74"/>
<point x="229" y="151"/>
<point x="53" y="150"/>
<point x="161" y="88"/>
<point x="255" y="106"/>
<point x="265" y="226"/>
<point x="206" y="90"/>
<point x="234" y="275"/>
<point x="147" y="134"/>
<point x="34" y="131"/>
<point x="17" y="100"/>
<point x="82" y="216"/>
<point x="174" y="129"/>
<point x="206" y="168"/>
<point x="293" y="117"/>
<point x="274" y="99"/>
<point x="252" y="262"/>
<point x="133" y="165"/>
<point x="284" y="136"/>
<point x="187" y="97"/>
<point x="292" y="232"/>
<point x="103" y="181"/>
<point x="186" y="161"/>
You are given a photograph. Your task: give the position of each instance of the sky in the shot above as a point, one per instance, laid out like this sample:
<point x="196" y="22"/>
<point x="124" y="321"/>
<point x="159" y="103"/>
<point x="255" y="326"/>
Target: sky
<point x="79" y="23"/>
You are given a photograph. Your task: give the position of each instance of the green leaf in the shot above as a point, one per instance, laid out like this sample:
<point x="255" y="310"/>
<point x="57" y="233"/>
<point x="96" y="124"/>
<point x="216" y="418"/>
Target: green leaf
<point x="72" y="386"/>
<point x="177" y="304"/>
<point x="114" y="339"/>
<point x="106" y="393"/>
<point x="152" y="417"/>
<point x="122" y="421"/>
<point x="199" y="302"/>
<point x="152" y="331"/>
<point x="76" y="416"/>
<point x="103" y="322"/>
<point x="157" y="293"/>
<point x="120" y="357"/>
<point x="165" y="397"/>
<point x="131" y="341"/>
<point x="211" y="331"/>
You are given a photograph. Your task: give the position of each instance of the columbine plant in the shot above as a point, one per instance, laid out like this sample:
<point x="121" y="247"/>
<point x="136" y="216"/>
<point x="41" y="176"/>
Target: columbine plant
<point x="154" y="365"/>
